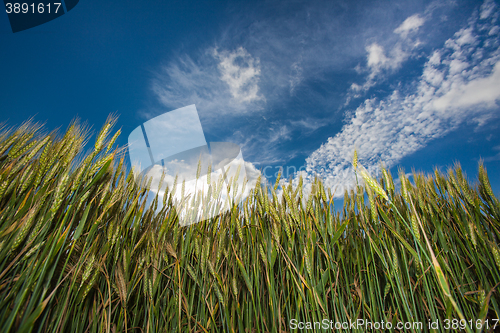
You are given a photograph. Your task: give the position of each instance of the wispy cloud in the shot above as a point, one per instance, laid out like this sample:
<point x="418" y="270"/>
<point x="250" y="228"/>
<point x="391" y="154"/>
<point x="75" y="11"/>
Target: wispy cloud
<point x="488" y="10"/>
<point x="411" y="24"/>
<point x="241" y="73"/>
<point x="495" y="157"/>
<point x="308" y="124"/>
<point x="380" y="61"/>
<point x="459" y="83"/>
<point x="220" y="82"/>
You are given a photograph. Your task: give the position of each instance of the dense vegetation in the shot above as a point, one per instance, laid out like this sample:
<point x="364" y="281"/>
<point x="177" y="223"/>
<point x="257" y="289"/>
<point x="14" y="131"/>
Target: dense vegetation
<point x="81" y="251"/>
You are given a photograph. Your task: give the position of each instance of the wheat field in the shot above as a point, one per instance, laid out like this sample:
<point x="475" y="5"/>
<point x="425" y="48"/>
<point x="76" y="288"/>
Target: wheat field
<point x="82" y="251"/>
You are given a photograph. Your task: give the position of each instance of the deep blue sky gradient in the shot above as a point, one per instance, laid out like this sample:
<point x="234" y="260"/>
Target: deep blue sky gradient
<point x="96" y="59"/>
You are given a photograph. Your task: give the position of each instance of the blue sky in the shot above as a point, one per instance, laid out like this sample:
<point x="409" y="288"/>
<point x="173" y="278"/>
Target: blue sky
<point x="297" y="84"/>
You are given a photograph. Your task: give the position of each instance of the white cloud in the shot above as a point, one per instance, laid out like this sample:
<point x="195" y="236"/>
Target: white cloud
<point x="456" y="86"/>
<point x="220" y="83"/>
<point x="494" y="31"/>
<point x="376" y="56"/>
<point x="241" y="72"/>
<point x="457" y="66"/>
<point x="487" y="9"/>
<point x="409" y="25"/>
<point x="463" y="37"/>
<point x="380" y="61"/>
<point x="484" y="90"/>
